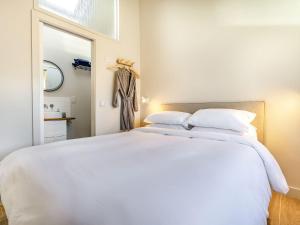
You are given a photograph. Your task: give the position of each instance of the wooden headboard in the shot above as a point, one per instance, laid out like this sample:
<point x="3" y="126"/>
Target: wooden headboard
<point x="257" y="107"/>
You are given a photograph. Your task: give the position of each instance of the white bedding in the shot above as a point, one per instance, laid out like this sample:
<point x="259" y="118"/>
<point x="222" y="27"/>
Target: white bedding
<point x="149" y="176"/>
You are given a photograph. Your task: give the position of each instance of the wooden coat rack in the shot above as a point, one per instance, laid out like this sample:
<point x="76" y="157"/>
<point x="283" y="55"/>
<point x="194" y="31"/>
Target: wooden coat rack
<point x="127" y="64"/>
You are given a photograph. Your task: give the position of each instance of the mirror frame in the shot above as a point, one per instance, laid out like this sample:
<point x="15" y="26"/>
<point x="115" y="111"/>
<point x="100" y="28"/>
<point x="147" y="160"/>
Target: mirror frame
<point x="62" y="77"/>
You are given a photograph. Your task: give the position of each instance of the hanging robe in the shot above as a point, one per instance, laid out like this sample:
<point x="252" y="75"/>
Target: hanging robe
<point x="125" y="86"/>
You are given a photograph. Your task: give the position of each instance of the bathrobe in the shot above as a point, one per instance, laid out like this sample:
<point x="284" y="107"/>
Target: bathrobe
<point x="125" y="86"/>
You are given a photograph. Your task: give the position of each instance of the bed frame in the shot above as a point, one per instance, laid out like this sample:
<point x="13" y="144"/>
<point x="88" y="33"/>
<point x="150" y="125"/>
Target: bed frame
<point x="257" y="107"/>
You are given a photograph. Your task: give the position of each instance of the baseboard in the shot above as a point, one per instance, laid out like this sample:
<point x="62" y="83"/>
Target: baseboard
<point x="294" y="193"/>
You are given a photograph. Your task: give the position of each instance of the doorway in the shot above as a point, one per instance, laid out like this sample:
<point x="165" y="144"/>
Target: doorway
<point x="67" y="85"/>
<point x="66" y="53"/>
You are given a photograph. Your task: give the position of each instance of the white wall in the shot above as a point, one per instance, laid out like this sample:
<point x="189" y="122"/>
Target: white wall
<point x="108" y="118"/>
<point x="228" y="50"/>
<point x="15" y="77"/>
<point x="62" y="48"/>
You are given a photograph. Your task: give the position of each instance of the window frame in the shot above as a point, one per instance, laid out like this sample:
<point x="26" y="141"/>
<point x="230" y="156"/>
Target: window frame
<point x="64" y="19"/>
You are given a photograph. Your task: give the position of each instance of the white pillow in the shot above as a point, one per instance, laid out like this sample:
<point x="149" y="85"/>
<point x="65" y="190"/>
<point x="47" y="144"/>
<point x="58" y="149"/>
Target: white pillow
<point x="168" y="117"/>
<point x="167" y="126"/>
<point x="229" y="119"/>
<point x="250" y="133"/>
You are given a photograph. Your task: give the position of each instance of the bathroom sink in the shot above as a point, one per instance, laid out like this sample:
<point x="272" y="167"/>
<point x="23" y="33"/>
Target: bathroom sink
<point x="52" y="115"/>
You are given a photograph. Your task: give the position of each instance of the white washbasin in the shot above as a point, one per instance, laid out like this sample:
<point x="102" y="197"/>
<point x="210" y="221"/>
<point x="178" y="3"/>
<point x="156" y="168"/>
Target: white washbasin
<point x="52" y="115"/>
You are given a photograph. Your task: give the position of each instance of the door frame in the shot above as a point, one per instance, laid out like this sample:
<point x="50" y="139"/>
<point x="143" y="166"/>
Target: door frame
<point x="38" y="20"/>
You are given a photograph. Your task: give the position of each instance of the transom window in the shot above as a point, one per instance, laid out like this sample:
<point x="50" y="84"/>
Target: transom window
<point x="99" y="15"/>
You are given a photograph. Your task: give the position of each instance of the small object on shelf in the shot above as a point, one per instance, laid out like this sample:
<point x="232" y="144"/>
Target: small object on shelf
<point x="82" y="64"/>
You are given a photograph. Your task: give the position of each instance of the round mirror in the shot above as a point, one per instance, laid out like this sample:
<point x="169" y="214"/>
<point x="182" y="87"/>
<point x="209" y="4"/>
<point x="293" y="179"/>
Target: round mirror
<point x="53" y="76"/>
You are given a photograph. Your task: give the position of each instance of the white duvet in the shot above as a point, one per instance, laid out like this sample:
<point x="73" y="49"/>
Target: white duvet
<point x="149" y="176"/>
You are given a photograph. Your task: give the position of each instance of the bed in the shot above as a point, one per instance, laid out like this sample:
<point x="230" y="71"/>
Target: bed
<point x="149" y="176"/>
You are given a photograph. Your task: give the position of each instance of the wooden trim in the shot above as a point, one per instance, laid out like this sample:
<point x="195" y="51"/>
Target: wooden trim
<point x="94" y="70"/>
<point x="63" y="24"/>
<point x="37" y="94"/>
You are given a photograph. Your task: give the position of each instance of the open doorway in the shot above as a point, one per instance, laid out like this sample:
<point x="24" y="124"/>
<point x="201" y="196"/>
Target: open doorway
<point x="66" y="85"/>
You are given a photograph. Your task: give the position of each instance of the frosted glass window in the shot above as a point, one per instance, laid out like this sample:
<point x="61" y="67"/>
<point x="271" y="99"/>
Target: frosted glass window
<point x="99" y="15"/>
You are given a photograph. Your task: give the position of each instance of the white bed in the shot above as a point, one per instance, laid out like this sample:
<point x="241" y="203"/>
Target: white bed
<point x="149" y="176"/>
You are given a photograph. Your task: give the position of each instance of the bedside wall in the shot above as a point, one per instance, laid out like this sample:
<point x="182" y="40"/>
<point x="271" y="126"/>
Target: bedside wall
<point x="208" y="51"/>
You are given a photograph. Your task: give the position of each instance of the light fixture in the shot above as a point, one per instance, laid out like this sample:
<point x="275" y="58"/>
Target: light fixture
<point x="145" y="100"/>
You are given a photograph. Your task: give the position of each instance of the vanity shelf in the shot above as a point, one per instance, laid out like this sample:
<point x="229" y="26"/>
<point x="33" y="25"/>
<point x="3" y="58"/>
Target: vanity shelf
<point x="60" y="119"/>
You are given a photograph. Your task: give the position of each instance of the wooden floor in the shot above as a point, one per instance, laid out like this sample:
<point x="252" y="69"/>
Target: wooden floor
<point x="283" y="211"/>
<point x="3" y="220"/>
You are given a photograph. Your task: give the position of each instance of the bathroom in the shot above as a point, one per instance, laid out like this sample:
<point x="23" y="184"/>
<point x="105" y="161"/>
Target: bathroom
<point x="67" y="85"/>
